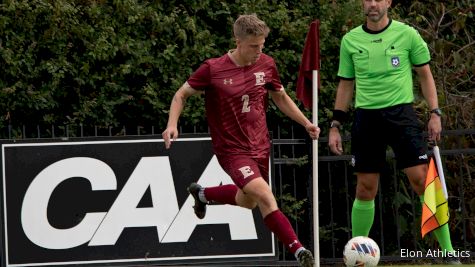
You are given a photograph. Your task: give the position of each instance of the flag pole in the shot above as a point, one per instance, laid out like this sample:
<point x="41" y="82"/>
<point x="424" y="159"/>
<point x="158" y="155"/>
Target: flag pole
<point x="316" y="227"/>
<point x="309" y="69"/>
<point x="440" y="170"/>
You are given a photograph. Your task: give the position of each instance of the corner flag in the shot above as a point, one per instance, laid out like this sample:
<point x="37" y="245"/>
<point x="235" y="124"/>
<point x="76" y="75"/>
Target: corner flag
<point x="435" y="209"/>
<point x="310" y="62"/>
<point x="307" y="83"/>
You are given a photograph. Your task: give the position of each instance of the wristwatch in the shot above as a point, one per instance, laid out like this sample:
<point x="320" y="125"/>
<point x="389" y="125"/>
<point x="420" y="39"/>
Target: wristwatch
<point x="335" y="124"/>
<point x="437" y="111"/>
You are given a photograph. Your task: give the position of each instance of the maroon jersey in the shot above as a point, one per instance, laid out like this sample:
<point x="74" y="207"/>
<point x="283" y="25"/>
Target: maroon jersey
<point x="236" y="102"/>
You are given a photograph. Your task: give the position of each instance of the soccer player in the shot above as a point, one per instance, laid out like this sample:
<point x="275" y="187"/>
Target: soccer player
<point x="236" y="88"/>
<point x="377" y="59"/>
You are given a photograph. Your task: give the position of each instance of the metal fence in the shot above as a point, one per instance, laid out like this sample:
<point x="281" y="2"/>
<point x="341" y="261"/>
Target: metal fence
<point x="397" y="219"/>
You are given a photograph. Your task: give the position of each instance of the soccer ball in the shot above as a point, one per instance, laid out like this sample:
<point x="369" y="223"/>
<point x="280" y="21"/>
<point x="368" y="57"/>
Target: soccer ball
<point x="361" y="251"/>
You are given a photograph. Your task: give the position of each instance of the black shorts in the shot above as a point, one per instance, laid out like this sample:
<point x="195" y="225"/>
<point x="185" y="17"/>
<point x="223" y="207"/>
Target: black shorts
<point x="374" y="129"/>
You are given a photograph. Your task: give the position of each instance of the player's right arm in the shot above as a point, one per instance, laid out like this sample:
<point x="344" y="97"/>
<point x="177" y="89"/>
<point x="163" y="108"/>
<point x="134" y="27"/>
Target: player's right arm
<point x="176" y="107"/>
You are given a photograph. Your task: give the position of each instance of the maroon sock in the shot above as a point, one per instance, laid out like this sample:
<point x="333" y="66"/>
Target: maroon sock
<point x="224" y="194"/>
<point x="278" y="223"/>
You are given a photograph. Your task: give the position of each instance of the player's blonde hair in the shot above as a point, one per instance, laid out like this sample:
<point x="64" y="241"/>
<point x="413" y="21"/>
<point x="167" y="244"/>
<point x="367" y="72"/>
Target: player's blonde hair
<point x="249" y="25"/>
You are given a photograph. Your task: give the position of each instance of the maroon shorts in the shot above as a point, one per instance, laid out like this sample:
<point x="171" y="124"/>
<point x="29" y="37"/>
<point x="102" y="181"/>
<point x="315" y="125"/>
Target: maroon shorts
<point x="243" y="169"/>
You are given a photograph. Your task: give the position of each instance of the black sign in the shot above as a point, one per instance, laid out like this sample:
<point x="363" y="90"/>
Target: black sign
<point x="120" y="200"/>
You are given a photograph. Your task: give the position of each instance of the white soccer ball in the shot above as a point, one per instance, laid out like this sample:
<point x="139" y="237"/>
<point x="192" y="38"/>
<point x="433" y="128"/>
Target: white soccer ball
<point x="361" y="251"/>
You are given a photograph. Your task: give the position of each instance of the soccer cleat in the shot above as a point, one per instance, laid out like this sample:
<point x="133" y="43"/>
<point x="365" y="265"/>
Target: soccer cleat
<point x="305" y="258"/>
<point x="200" y="206"/>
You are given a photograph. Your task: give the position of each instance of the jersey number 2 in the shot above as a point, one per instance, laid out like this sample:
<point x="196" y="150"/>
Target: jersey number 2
<point x="245" y="104"/>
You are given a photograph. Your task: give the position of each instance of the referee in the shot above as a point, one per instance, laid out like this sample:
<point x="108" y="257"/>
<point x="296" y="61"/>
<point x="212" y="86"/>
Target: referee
<point x="376" y="62"/>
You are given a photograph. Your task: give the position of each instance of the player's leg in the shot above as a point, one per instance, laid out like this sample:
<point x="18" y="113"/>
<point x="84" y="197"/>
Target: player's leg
<point x="223" y="194"/>
<point x="259" y="190"/>
<point x="241" y="170"/>
<point x="369" y="149"/>
<point x="252" y="189"/>
<point x="274" y="219"/>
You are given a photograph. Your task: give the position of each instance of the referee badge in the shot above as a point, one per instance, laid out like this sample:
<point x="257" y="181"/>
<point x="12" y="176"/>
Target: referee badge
<point x="395" y="61"/>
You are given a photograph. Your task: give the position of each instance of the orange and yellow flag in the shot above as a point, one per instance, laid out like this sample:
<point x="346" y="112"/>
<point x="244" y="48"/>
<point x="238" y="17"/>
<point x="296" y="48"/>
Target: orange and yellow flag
<point x="435" y="209"/>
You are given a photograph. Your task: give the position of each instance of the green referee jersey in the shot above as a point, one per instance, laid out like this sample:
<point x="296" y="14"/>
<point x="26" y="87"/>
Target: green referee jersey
<point x="381" y="63"/>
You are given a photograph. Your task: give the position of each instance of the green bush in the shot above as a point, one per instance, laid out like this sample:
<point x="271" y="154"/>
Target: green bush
<point x="119" y="63"/>
<point x="115" y="63"/>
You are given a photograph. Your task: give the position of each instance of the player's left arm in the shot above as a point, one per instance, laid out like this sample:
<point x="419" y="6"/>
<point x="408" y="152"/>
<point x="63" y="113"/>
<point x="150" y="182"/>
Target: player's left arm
<point x="289" y="108"/>
<point x="429" y="92"/>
